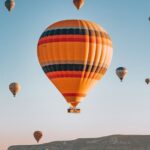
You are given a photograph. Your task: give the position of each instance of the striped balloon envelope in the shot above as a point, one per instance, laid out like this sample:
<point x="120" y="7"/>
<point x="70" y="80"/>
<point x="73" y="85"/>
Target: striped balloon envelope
<point x="78" y="3"/>
<point x="37" y="135"/>
<point x="10" y="4"/>
<point x="121" y="73"/>
<point x="74" y="55"/>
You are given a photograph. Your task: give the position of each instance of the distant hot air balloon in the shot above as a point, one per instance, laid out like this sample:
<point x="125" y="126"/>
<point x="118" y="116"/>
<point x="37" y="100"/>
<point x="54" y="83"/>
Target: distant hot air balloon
<point x="121" y="72"/>
<point x="74" y="55"/>
<point x="10" y="4"/>
<point x="147" y="80"/>
<point x="37" y="135"/>
<point x="78" y="3"/>
<point x="14" y="88"/>
<point x="149" y="18"/>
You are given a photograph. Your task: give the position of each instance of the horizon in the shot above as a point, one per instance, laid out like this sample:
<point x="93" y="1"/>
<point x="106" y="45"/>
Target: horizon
<point x="74" y="140"/>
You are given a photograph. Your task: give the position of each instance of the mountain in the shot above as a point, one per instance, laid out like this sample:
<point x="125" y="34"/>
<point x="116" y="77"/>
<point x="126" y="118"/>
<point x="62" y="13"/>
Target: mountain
<point x="114" y="142"/>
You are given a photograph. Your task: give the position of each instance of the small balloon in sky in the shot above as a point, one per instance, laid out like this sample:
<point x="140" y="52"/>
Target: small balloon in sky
<point x="37" y="135"/>
<point x="14" y="88"/>
<point x="147" y="80"/>
<point x="121" y="72"/>
<point x="10" y="4"/>
<point x="78" y="3"/>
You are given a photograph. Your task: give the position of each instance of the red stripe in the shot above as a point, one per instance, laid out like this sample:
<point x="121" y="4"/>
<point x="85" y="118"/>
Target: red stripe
<point x="73" y="75"/>
<point x="74" y="94"/>
<point x="68" y="39"/>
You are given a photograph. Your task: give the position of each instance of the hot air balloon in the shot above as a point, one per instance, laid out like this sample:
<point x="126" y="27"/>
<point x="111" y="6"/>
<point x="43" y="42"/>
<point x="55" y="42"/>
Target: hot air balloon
<point x="147" y="80"/>
<point x="10" y="4"/>
<point x="14" y="88"/>
<point x="78" y="3"/>
<point x="74" y="55"/>
<point x="121" y="72"/>
<point x="37" y="135"/>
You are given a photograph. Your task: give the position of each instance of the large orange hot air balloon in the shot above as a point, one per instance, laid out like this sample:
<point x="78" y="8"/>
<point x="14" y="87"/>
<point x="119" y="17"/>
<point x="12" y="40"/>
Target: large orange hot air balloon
<point x="37" y="135"/>
<point x="74" y="55"/>
<point x="78" y="3"/>
<point x="10" y="4"/>
<point x="14" y="88"/>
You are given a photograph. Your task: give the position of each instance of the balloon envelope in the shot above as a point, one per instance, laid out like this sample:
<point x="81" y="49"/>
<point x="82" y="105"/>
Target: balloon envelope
<point x="121" y="72"/>
<point x="14" y="88"/>
<point x="147" y="80"/>
<point x="74" y="55"/>
<point x="37" y="135"/>
<point x="10" y="4"/>
<point x="78" y="3"/>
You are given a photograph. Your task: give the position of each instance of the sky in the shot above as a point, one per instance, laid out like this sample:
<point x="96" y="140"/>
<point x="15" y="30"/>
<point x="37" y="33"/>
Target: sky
<point x="111" y="107"/>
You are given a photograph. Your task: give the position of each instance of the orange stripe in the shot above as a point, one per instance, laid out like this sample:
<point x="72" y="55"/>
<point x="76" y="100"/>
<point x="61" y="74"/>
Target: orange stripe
<point x="71" y="23"/>
<point x="76" y="23"/>
<point x="73" y="51"/>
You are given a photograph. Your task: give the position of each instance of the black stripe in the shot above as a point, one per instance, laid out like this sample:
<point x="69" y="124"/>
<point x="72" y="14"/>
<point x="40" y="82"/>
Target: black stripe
<point x="70" y="67"/>
<point x="121" y="68"/>
<point x="74" y="31"/>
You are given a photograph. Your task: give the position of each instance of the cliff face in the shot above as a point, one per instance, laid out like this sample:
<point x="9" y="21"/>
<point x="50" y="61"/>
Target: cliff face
<point x="115" y="142"/>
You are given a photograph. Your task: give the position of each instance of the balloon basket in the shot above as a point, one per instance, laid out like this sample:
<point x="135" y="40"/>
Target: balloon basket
<point x="74" y="110"/>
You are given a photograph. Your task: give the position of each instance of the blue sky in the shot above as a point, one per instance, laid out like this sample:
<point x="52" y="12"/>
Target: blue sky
<point x="110" y="108"/>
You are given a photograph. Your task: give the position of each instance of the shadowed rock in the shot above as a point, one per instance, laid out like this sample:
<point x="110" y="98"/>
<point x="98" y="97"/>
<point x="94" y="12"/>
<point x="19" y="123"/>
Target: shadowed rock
<point x="114" y="142"/>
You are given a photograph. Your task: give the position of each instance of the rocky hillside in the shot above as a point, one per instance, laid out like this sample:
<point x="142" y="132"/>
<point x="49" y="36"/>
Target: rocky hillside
<point x="114" y="142"/>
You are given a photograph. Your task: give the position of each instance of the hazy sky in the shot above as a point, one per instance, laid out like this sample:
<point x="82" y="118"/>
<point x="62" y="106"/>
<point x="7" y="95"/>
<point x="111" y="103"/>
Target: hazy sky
<point x="110" y="108"/>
